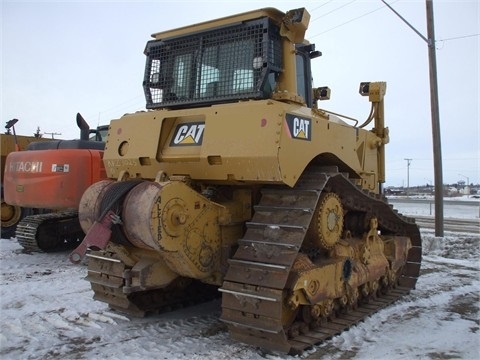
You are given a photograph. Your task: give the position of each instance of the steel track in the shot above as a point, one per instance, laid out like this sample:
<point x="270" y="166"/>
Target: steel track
<point x="254" y="287"/>
<point x="106" y="275"/>
<point x="55" y="231"/>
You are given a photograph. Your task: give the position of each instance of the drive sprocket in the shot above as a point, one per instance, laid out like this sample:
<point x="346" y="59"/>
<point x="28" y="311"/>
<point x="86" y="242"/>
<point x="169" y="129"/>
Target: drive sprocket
<point x="329" y="220"/>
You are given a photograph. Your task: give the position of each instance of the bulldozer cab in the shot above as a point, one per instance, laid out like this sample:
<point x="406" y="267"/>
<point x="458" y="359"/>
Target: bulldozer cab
<point x="240" y="61"/>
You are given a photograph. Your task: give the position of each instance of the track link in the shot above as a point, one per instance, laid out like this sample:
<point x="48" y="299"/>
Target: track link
<point x="254" y="290"/>
<point x="106" y="275"/>
<point x="55" y="231"/>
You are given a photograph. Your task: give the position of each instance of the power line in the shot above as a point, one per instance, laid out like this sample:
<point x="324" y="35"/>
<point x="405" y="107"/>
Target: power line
<point x="368" y="13"/>
<point x="318" y="7"/>
<point x="336" y="9"/>
<point x="126" y="104"/>
<point x="459" y="37"/>
<point x="407" y="23"/>
<point x="118" y="105"/>
<point x="349" y="21"/>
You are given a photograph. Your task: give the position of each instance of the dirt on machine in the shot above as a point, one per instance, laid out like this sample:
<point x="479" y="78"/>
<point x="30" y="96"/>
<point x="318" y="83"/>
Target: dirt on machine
<point x="236" y="180"/>
<point x="49" y="180"/>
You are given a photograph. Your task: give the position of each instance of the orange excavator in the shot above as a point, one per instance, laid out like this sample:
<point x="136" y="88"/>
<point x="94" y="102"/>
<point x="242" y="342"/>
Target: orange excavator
<point x="10" y="214"/>
<point x="49" y="179"/>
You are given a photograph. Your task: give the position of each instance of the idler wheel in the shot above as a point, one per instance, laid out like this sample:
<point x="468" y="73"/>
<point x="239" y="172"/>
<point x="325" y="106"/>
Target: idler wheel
<point x="11" y="215"/>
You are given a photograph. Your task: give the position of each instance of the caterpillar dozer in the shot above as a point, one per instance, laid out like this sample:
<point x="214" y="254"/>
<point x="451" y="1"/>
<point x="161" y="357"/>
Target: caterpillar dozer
<point x="236" y="179"/>
<point x="10" y="214"/>
<point x="49" y="179"/>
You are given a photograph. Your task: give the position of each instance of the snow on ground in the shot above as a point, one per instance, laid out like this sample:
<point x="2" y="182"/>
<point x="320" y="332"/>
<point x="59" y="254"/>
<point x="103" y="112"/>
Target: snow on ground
<point x="464" y="207"/>
<point x="47" y="312"/>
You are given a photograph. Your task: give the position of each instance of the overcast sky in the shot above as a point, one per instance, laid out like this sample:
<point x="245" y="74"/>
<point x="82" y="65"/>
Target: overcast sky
<point x="63" y="57"/>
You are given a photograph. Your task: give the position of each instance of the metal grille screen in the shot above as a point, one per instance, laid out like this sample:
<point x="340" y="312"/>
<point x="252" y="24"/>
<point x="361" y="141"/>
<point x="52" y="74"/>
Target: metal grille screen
<point x="230" y="63"/>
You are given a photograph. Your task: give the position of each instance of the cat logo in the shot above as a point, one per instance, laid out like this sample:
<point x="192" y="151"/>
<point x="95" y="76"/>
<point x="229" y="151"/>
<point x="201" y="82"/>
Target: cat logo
<point x="188" y="134"/>
<point x="298" y="127"/>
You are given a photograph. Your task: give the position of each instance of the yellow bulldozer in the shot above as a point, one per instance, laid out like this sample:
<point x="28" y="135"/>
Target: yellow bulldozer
<point x="236" y="179"/>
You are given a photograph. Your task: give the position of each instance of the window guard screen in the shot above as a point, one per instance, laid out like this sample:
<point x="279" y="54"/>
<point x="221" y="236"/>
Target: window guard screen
<point x="225" y="64"/>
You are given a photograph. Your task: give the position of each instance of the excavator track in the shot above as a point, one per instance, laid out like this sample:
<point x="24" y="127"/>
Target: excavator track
<point x="106" y="275"/>
<point x="49" y="232"/>
<point x="254" y="292"/>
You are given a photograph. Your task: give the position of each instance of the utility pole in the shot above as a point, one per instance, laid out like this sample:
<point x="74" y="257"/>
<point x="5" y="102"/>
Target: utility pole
<point x="408" y="175"/>
<point x="437" y="148"/>
<point x="52" y="133"/>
